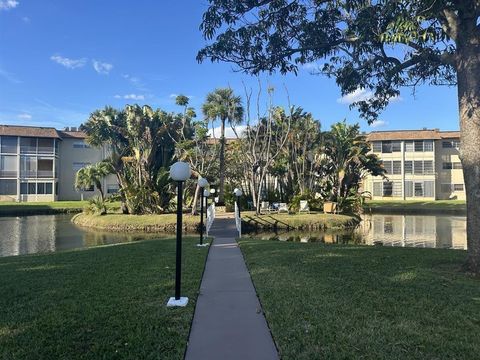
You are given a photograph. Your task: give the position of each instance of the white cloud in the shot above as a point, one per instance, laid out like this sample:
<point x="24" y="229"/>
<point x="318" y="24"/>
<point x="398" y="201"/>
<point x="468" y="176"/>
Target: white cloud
<point x="102" y="67"/>
<point x="135" y="81"/>
<point x="26" y="19"/>
<point x="357" y="95"/>
<point x="24" y="116"/>
<point x="229" y="133"/>
<point x="311" y="66"/>
<point x="378" y="123"/>
<point x="69" y="63"/>
<point x="8" y="4"/>
<point x="362" y="95"/>
<point x="130" y="97"/>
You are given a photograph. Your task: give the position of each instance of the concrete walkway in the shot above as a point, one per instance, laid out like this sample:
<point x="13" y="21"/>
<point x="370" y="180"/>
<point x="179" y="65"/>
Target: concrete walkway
<point x="228" y="323"/>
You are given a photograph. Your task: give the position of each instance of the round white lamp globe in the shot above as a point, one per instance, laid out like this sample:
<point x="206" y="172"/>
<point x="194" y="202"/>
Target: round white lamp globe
<point x="202" y="182"/>
<point x="180" y="171"/>
<point x="212" y="191"/>
<point x="238" y="192"/>
<point x="206" y="193"/>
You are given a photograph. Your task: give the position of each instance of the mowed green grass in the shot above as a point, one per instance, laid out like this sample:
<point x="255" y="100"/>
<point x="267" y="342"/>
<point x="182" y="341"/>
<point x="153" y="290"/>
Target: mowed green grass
<point x="448" y="205"/>
<point x="14" y="208"/>
<point x="100" y="303"/>
<point x="359" y="302"/>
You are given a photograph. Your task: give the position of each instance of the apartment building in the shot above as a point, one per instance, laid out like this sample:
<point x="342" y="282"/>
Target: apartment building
<point x="420" y="165"/>
<point x="40" y="164"/>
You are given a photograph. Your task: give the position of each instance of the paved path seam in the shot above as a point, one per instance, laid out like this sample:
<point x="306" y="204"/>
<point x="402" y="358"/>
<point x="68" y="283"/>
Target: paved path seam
<point x="228" y="323"/>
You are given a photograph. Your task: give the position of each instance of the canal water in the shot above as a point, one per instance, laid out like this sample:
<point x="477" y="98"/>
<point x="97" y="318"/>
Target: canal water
<point x="48" y="233"/>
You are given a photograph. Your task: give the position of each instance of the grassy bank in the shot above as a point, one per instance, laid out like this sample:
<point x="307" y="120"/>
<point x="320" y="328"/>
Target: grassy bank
<point x="359" y="302"/>
<point x="313" y="221"/>
<point x="137" y="223"/>
<point x="99" y="303"/>
<point x="40" y="208"/>
<point x="416" y="207"/>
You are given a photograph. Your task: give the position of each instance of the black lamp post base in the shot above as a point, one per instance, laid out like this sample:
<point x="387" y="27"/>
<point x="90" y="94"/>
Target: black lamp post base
<point x="182" y="302"/>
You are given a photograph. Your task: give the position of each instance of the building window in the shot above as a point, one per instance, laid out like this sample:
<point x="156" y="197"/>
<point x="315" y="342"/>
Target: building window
<point x="81" y="145"/>
<point x="387" y="189"/>
<point x="428" y="145"/>
<point x="428" y="187"/>
<point x="397" y="189"/>
<point x="408" y="189"/>
<point x="447" y="166"/>
<point x="418" y="167"/>
<point x="28" y="145"/>
<point x="377" y="146"/>
<point x="458" y="187"/>
<point x="45" y="168"/>
<point x="396" y="146"/>
<point x="428" y="167"/>
<point x="386" y="147"/>
<point x="418" y="146"/>
<point x="396" y="167"/>
<point x="32" y="188"/>
<point x="449" y="144"/>
<point x="409" y="146"/>
<point x="45" y="146"/>
<point x="8" y="187"/>
<point x="9" y="145"/>
<point x="112" y="188"/>
<point x="408" y="167"/>
<point x="387" y="165"/>
<point x="23" y="188"/>
<point x="418" y="189"/>
<point x="79" y="165"/>
<point x="377" y="188"/>
<point x="8" y="166"/>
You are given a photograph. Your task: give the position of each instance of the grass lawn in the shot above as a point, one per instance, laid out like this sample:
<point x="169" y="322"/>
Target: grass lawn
<point x="416" y="206"/>
<point x="137" y="223"/>
<point x="299" y="221"/>
<point x="100" y="303"/>
<point x="28" y="208"/>
<point x="360" y="302"/>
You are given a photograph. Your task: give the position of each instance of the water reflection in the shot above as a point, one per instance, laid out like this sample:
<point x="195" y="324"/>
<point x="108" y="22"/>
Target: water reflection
<point x="414" y="231"/>
<point x="47" y="233"/>
<point x="436" y="231"/>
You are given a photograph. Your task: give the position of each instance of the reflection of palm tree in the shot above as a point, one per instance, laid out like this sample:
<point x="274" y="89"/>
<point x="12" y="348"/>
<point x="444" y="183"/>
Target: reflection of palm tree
<point x="92" y="175"/>
<point x="223" y="105"/>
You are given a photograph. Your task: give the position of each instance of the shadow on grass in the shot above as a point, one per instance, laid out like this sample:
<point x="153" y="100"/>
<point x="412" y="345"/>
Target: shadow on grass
<point x="347" y="302"/>
<point x="106" y="302"/>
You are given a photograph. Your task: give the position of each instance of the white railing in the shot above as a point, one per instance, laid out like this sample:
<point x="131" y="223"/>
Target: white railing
<point x="238" y="221"/>
<point x="210" y="216"/>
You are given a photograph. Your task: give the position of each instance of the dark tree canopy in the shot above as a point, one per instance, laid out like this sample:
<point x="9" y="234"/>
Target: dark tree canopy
<point x="377" y="45"/>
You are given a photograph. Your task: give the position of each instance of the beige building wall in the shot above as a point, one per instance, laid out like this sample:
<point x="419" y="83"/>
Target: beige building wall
<point x="440" y="176"/>
<point x="75" y="154"/>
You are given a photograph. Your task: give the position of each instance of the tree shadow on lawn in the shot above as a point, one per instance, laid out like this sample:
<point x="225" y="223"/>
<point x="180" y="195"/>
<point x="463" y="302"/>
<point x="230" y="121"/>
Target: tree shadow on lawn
<point x="106" y="302"/>
<point x="338" y="302"/>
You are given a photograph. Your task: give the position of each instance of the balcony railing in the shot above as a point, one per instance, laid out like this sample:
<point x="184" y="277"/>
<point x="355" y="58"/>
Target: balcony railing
<point x="45" y="173"/>
<point x="28" y="149"/>
<point x="46" y="150"/>
<point x="8" y="173"/>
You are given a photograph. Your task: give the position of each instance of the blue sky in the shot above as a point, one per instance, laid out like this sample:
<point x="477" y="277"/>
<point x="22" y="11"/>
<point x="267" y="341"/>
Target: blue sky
<point x="60" y="60"/>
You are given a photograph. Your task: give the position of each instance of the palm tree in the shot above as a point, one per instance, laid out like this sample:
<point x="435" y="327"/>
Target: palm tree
<point x="349" y="159"/>
<point x="222" y="104"/>
<point x="92" y="175"/>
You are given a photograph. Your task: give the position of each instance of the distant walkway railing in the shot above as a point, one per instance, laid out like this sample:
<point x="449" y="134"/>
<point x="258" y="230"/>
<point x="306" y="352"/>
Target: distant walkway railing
<point x="210" y="216"/>
<point x="238" y="221"/>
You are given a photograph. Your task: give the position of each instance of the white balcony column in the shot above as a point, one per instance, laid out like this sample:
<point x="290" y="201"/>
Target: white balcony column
<point x="18" y="169"/>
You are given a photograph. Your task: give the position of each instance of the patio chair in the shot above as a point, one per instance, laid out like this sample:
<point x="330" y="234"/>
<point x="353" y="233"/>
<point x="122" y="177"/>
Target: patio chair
<point x="282" y="207"/>
<point x="264" y="207"/>
<point x="304" y="206"/>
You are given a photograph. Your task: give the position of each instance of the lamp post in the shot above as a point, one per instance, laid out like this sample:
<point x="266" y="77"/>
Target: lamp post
<point x="237" y="192"/>
<point x="179" y="172"/>
<point x="202" y="183"/>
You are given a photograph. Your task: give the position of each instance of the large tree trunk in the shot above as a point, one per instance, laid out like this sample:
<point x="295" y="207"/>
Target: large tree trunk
<point x="468" y="74"/>
<point x="221" y="195"/>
